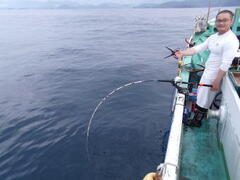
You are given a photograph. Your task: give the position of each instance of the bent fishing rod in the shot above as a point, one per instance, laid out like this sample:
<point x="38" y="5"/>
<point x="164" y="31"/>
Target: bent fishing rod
<point x="176" y="82"/>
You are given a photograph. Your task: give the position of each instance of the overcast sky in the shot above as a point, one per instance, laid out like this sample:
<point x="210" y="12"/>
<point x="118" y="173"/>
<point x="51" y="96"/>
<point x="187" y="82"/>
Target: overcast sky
<point x="22" y="2"/>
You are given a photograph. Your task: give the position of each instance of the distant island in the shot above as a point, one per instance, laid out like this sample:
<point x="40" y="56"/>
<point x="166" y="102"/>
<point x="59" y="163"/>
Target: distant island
<point x="191" y="4"/>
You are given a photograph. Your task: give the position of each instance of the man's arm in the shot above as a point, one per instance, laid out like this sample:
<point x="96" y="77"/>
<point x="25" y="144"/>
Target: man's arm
<point x="193" y="50"/>
<point x="186" y="52"/>
<point x="229" y="52"/>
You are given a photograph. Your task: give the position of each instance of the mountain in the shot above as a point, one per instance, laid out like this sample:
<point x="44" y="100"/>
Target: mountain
<point x="190" y="4"/>
<point x="112" y="5"/>
<point x="171" y="4"/>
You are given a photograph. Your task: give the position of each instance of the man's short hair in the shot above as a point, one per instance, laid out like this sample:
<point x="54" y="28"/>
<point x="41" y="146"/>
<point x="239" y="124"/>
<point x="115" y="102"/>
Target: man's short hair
<point x="226" y="11"/>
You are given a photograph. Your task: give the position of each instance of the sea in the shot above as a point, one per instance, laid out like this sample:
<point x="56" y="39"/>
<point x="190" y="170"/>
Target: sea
<point x="57" y="65"/>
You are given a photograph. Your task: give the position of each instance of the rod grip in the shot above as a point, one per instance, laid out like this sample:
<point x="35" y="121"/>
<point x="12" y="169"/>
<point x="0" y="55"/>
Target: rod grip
<point x="206" y="85"/>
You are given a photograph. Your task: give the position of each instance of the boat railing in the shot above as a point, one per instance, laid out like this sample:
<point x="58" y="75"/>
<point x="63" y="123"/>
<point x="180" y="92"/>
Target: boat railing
<point x="169" y="170"/>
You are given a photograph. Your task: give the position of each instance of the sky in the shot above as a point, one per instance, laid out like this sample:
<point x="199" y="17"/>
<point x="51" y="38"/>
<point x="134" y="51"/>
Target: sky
<point x="85" y="1"/>
<point x="22" y="3"/>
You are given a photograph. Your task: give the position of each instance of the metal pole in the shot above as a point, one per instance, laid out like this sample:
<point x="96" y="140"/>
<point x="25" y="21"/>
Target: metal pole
<point x="209" y="7"/>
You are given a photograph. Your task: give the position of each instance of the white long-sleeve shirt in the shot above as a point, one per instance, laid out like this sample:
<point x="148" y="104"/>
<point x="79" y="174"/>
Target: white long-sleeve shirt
<point x="223" y="49"/>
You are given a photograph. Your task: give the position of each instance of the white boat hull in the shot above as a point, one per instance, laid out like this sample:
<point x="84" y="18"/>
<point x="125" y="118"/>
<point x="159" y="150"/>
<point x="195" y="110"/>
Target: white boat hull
<point x="230" y="128"/>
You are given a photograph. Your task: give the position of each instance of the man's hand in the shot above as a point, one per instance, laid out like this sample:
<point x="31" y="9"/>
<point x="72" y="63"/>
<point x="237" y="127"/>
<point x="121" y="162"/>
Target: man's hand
<point x="178" y="54"/>
<point x="187" y="52"/>
<point x="217" y="82"/>
<point x="216" y="85"/>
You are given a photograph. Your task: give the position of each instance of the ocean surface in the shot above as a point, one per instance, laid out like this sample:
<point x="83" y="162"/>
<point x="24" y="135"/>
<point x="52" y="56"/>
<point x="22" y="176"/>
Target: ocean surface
<point x="56" y="65"/>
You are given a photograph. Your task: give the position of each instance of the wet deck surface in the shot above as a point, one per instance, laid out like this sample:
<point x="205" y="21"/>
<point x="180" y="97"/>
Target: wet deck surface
<point x="202" y="155"/>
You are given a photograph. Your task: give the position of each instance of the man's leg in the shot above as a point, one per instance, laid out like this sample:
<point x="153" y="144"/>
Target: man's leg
<point x="199" y="114"/>
<point x="204" y="99"/>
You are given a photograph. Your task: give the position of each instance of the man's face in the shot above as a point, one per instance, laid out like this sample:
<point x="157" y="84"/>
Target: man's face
<point x="223" y="22"/>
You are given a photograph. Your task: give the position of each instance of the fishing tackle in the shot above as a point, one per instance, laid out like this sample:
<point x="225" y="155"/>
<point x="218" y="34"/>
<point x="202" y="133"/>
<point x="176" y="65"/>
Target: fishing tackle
<point x="175" y="82"/>
<point x="189" y="43"/>
<point x="107" y="96"/>
<point x="172" y="52"/>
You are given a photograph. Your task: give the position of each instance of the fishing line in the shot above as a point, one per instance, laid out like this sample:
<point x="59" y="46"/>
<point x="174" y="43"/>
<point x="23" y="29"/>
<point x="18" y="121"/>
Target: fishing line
<point x="110" y="94"/>
<point x="174" y="82"/>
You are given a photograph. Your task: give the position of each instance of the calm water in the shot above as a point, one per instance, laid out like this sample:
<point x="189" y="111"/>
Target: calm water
<point x="55" y="66"/>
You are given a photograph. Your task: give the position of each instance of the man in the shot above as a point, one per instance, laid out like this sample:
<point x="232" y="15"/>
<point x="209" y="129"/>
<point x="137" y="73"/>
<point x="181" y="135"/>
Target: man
<point x="223" y="47"/>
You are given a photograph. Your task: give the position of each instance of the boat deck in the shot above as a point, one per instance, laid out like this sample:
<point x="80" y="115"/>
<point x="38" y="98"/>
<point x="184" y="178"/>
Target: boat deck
<point x="202" y="155"/>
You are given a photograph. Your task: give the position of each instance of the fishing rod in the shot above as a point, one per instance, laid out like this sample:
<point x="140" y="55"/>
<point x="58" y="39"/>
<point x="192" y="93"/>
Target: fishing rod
<point x="175" y="82"/>
<point x="200" y="84"/>
<point x="189" y="43"/>
<point x="189" y="67"/>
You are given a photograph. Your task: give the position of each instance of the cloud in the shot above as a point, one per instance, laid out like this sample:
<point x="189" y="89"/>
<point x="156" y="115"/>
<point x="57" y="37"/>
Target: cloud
<point x="68" y="3"/>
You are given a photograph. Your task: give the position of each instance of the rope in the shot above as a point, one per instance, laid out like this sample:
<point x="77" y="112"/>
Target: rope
<point x="161" y="169"/>
<point x="190" y="67"/>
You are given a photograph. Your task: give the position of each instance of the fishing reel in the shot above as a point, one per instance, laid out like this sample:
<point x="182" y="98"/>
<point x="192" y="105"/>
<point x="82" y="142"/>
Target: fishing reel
<point x="177" y="82"/>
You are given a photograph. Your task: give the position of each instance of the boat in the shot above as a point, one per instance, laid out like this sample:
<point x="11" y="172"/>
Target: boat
<point x="212" y="151"/>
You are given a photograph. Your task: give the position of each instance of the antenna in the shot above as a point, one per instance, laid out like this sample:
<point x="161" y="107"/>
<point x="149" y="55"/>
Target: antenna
<point x="209" y="7"/>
